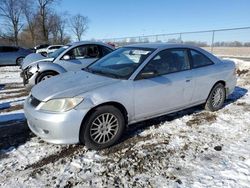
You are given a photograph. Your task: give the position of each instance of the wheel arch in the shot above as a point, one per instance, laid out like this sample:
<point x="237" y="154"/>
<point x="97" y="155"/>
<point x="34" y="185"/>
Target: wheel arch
<point x="48" y="67"/>
<point x="19" y="58"/>
<point x="218" y="82"/>
<point x="117" y="105"/>
<point x="46" y="71"/>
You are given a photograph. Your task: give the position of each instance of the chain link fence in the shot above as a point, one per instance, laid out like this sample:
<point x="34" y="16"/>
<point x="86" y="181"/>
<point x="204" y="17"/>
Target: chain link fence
<point x="232" y="42"/>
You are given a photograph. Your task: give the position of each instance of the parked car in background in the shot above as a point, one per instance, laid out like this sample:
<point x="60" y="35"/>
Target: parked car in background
<point x="41" y="46"/>
<point x="131" y="84"/>
<point x="71" y="57"/>
<point x="111" y="44"/>
<point x="48" y="50"/>
<point x="12" y="55"/>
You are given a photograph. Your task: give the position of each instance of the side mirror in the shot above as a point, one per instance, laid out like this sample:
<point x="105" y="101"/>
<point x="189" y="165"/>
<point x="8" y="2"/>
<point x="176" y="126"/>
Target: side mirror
<point x="66" y="57"/>
<point x="148" y="74"/>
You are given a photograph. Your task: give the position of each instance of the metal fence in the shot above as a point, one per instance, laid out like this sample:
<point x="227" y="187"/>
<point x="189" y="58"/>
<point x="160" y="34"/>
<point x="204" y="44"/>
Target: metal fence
<point x="228" y="42"/>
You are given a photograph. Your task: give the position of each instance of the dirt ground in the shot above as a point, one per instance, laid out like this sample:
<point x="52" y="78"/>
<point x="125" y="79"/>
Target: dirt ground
<point x="230" y="51"/>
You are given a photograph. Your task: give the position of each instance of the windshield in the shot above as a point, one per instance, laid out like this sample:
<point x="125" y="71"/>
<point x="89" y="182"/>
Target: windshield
<point x="56" y="53"/>
<point x="120" y="63"/>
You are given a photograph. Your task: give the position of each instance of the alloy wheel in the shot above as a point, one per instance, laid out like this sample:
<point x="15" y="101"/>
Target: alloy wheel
<point x="217" y="97"/>
<point x="104" y="128"/>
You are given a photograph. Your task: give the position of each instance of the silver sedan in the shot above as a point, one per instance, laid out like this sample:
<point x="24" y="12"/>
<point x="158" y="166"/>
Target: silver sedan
<point x="131" y="84"/>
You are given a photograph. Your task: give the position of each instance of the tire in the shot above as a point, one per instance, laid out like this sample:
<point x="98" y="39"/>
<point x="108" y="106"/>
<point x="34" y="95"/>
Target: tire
<point x="19" y="61"/>
<point x="216" y="98"/>
<point x="45" y="75"/>
<point x="108" y="135"/>
<point x="44" y="54"/>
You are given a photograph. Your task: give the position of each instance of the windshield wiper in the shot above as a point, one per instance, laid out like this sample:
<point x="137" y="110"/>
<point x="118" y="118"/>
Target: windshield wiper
<point x="87" y="69"/>
<point x="100" y="72"/>
<point x="112" y="75"/>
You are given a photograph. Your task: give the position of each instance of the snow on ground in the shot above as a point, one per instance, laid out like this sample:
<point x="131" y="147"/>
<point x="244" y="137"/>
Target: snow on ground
<point x="191" y="148"/>
<point x="12" y="94"/>
<point x="240" y="64"/>
<point x="10" y="74"/>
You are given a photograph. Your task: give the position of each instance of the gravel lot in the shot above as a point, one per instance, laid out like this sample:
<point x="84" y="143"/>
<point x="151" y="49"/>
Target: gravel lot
<point x="191" y="148"/>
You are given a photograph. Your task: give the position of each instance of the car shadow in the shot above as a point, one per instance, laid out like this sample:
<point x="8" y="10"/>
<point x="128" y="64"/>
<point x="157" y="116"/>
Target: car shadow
<point x="6" y="105"/>
<point x="238" y="93"/>
<point x="2" y="86"/>
<point x="134" y="130"/>
<point x="13" y="133"/>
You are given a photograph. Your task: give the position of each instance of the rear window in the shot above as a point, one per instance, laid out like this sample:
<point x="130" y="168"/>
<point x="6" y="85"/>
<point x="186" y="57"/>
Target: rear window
<point x="199" y="60"/>
<point x="54" y="47"/>
<point x="105" y="50"/>
<point x="42" y="46"/>
<point x="9" y="49"/>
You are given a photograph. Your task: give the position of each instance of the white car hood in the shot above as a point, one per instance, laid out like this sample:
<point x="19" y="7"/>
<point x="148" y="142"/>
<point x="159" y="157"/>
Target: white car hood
<point x="34" y="58"/>
<point x="69" y="84"/>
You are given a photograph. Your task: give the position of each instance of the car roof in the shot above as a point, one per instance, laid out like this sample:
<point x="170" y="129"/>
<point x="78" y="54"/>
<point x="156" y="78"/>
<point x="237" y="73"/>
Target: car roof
<point x="90" y="42"/>
<point x="55" y="45"/>
<point x="160" y="45"/>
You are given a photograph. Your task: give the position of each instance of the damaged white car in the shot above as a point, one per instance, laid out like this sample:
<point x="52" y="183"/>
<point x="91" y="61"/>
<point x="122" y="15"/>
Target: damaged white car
<point x="71" y="57"/>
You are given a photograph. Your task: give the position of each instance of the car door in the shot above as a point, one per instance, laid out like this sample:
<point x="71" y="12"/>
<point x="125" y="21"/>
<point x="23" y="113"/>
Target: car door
<point x="9" y="55"/>
<point x="204" y="72"/>
<point x="169" y="87"/>
<point x="80" y="57"/>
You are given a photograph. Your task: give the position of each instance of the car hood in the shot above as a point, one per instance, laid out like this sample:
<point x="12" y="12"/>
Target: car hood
<point x="34" y="58"/>
<point x="69" y="84"/>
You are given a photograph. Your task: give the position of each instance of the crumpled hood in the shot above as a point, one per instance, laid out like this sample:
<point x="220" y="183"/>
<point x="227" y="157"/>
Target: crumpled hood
<point x="69" y="84"/>
<point x="34" y="58"/>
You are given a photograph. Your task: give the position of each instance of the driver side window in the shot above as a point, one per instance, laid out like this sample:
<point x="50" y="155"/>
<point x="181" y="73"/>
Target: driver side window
<point x="167" y="61"/>
<point x="85" y="51"/>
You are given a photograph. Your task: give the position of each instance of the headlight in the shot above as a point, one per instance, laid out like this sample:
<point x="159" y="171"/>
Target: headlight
<point x="61" y="105"/>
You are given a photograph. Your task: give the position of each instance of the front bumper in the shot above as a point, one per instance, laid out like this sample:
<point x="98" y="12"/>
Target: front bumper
<point x="29" y="79"/>
<point x="57" y="128"/>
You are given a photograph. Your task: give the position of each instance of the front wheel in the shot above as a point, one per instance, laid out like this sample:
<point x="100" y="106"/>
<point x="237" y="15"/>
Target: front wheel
<point x="103" y="128"/>
<point x="45" y="54"/>
<point x="45" y="75"/>
<point x="216" y="98"/>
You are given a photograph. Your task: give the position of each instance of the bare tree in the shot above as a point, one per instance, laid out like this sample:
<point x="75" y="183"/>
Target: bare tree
<point x="11" y="11"/>
<point x="30" y="14"/>
<point x="61" y="26"/>
<point x="54" y="20"/>
<point x="79" y="25"/>
<point x="57" y="24"/>
<point x="44" y="6"/>
<point x="41" y="23"/>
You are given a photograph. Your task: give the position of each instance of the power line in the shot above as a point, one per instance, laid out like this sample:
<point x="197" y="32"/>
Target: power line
<point x="180" y="33"/>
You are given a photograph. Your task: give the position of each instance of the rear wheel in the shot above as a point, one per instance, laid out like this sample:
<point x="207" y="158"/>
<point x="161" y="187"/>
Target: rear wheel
<point x="19" y="61"/>
<point x="103" y="128"/>
<point x="45" y="75"/>
<point x="216" y="98"/>
<point x="44" y="54"/>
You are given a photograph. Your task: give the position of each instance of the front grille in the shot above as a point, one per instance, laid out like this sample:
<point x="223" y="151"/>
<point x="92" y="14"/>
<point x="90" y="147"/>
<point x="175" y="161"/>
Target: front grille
<point x="34" y="102"/>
